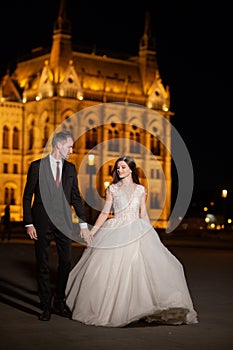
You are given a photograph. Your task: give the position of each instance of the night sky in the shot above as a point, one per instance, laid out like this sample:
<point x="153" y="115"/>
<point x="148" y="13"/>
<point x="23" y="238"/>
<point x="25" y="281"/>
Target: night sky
<point x="194" y="44"/>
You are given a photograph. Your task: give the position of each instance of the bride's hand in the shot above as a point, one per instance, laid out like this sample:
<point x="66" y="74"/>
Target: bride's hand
<point x="86" y="235"/>
<point x="93" y="232"/>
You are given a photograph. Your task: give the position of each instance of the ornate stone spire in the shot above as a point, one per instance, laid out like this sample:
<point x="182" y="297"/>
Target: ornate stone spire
<point x="61" y="52"/>
<point x="147" y="42"/>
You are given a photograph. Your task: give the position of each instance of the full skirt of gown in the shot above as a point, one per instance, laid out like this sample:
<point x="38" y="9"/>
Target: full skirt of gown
<point x="125" y="276"/>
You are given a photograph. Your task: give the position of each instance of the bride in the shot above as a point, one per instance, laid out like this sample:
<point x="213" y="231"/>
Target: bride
<point x="126" y="274"/>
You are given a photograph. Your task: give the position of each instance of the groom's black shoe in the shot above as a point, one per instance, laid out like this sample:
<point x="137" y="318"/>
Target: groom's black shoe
<point x="46" y="314"/>
<point x="60" y="308"/>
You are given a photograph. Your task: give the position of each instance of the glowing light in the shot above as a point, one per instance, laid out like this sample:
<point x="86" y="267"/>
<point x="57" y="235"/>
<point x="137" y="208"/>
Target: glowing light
<point x="106" y="184"/>
<point x="165" y="108"/>
<point x="224" y="193"/>
<point x="91" y="159"/>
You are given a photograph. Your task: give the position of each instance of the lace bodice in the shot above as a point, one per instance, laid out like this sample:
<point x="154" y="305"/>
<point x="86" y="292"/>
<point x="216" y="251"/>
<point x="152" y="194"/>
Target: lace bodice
<point x="126" y="201"/>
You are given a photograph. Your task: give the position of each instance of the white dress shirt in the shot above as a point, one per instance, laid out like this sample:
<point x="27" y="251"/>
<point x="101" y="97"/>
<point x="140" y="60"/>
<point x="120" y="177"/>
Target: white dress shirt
<point x="53" y="164"/>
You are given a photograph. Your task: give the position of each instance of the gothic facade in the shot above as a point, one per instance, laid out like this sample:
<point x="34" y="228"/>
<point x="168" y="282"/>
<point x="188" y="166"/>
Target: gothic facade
<point x="113" y="106"/>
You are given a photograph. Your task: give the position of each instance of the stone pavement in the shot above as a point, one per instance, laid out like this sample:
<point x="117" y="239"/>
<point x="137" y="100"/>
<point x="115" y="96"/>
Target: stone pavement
<point x="209" y="273"/>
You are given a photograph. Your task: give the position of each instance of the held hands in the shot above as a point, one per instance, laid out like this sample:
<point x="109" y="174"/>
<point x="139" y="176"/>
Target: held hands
<point x="86" y="235"/>
<point x="31" y="231"/>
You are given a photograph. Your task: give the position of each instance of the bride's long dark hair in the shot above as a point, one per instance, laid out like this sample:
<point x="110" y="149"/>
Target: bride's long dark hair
<point x="131" y="164"/>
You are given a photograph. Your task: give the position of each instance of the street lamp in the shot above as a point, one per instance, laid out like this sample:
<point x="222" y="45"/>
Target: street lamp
<point x="224" y="193"/>
<point x="224" y="196"/>
<point x="91" y="170"/>
<point x="91" y="159"/>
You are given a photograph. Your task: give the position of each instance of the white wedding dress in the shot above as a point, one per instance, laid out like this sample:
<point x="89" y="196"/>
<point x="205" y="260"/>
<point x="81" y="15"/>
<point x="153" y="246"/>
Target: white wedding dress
<point x="127" y="274"/>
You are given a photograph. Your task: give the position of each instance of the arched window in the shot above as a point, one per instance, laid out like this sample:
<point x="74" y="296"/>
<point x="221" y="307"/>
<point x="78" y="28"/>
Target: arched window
<point x="5" y="168"/>
<point x="91" y="138"/>
<point x="135" y="146"/>
<point x="6" y="195"/>
<point x="46" y="135"/>
<point x="15" y="168"/>
<point x="113" y="137"/>
<point x="154" y="145"/>
<point x="5" y="137"/>
<point x="9" y="195"/>
<point x="15" y="138"/>
<point x="31" y="138"/>
<point x="71" y="129"/>
<point x="155" y="174"/>
<point x="154" y="201"/>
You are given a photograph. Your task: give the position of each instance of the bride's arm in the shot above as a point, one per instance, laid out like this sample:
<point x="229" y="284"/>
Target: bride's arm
<point x="143" y="211"/>
<point x="104" y="213"/>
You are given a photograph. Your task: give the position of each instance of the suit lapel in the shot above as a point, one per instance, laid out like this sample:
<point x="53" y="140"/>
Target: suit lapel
<point x="46" y="174"/>
<point x="64" y="173"/>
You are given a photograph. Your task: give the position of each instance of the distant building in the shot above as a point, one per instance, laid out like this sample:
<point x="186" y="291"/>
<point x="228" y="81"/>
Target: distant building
<point x="49" y="87"/>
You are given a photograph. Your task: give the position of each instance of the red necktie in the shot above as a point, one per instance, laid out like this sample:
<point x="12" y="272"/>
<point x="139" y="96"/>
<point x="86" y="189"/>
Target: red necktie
<point x="58" y="174"/>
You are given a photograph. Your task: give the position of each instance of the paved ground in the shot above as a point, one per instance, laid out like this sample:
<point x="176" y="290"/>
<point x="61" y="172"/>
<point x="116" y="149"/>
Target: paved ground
<point x="209" y="273"/>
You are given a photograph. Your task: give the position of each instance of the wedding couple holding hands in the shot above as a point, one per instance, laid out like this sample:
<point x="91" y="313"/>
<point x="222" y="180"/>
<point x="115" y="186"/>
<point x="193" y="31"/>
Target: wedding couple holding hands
<point x="125" y="273"/>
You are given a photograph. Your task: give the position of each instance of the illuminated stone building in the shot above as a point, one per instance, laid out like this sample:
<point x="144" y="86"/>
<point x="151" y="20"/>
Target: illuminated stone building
<point x="113" y="106"/>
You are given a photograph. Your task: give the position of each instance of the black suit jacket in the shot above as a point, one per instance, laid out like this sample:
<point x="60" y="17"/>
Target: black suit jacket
<point x="50" y="204"/>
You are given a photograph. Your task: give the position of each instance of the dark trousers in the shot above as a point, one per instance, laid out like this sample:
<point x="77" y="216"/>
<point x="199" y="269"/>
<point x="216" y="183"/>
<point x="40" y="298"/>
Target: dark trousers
<point x="64" y="246"/>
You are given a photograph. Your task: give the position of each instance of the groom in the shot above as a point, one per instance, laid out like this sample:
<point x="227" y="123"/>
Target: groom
<point x="53" y="186"/>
